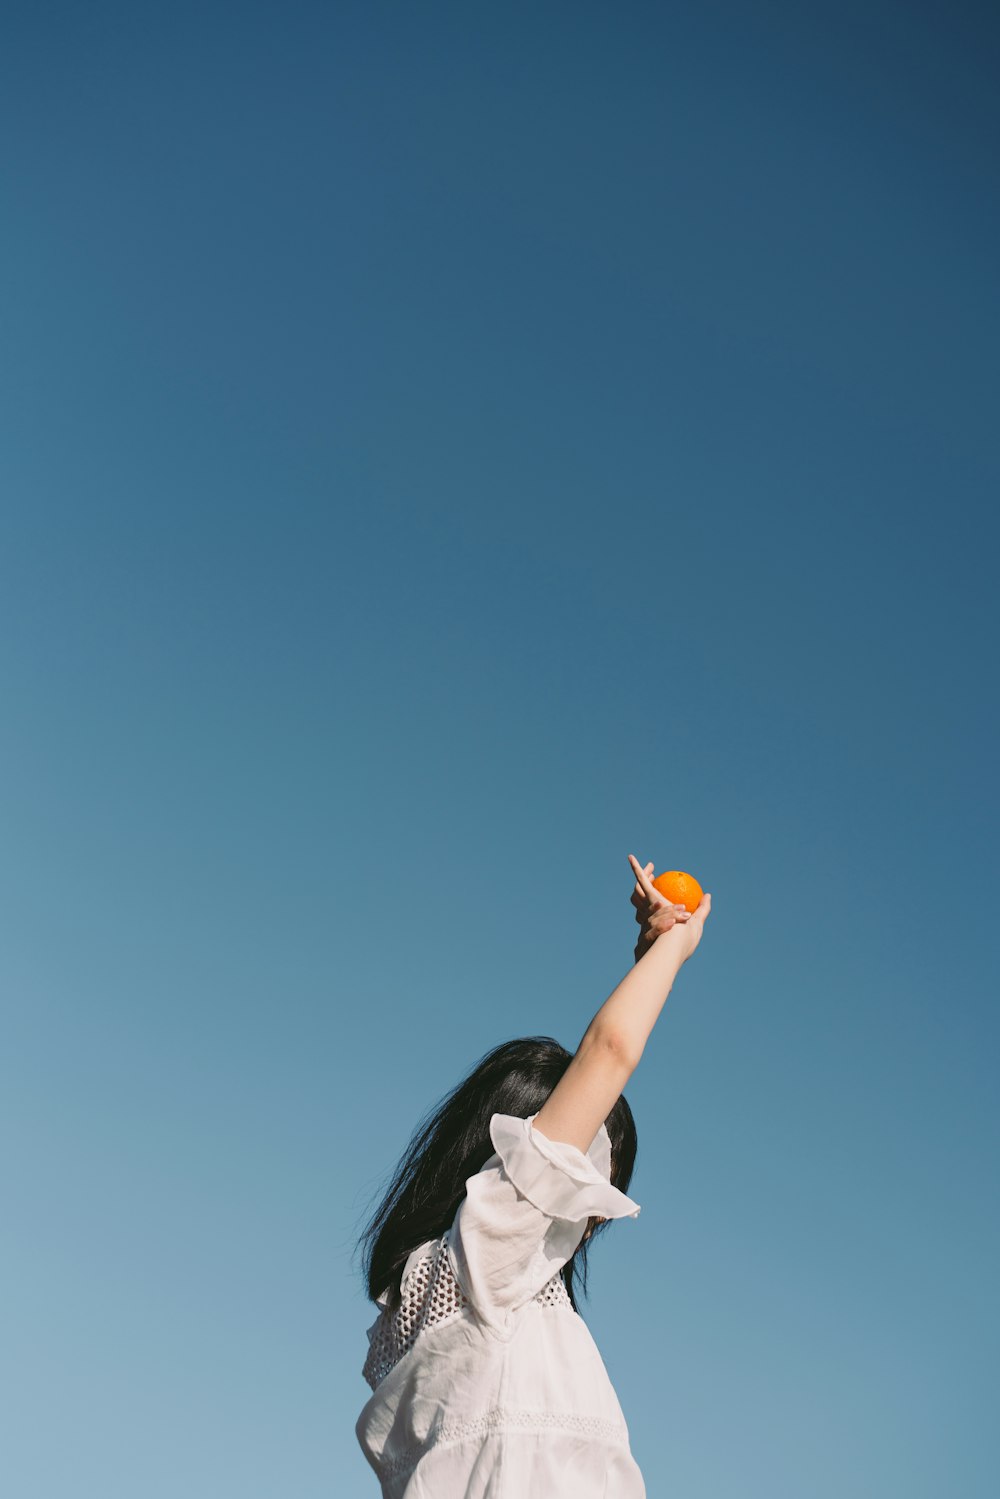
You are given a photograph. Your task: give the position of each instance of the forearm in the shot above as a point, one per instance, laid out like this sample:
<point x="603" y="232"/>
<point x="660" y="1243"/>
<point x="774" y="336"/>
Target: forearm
<point x="610" y="1050"/>
<point x="628" y="1015"/>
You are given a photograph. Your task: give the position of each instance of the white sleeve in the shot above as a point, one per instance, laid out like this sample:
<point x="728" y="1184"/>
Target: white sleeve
<point x="524" y="1214"/>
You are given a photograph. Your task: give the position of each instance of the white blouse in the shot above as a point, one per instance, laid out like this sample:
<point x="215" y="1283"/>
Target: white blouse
<point x="487" y="1384"/>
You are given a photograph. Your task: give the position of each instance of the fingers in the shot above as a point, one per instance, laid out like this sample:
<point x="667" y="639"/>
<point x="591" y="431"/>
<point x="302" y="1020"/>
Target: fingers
<point x="642" y="902"/>
<point x="659" y="914"/>
<point x="643" y="880"/>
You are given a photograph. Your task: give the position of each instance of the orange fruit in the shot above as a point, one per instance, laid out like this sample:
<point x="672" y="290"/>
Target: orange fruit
<point x="680" y="889"/>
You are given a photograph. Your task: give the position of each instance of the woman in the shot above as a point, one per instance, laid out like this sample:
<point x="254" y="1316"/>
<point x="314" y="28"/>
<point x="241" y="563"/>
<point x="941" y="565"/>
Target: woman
<point x="486" y="1381"/>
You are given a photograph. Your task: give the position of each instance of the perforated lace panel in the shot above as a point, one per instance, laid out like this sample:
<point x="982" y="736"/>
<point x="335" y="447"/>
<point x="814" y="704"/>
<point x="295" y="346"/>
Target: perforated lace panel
<point x="554" y="1293"/>
<point x="431" y="1295"/>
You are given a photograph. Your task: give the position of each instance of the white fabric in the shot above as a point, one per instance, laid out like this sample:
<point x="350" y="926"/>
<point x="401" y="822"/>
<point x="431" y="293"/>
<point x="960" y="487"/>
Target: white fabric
<point x="487" y="1385"/>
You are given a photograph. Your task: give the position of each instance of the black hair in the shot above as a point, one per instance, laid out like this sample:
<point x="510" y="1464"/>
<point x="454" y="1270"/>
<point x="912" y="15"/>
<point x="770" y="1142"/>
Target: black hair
<point x="453" y="1142"/>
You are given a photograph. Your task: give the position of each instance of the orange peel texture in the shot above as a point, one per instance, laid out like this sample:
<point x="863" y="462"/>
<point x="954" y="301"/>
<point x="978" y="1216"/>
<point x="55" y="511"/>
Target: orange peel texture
<point x="679" y="889"/>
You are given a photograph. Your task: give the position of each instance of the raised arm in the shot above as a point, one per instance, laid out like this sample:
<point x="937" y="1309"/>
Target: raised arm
<point x="615" y="1039"/>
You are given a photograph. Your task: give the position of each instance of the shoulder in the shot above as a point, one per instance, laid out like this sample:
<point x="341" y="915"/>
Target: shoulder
<point x="559" y="1179"/>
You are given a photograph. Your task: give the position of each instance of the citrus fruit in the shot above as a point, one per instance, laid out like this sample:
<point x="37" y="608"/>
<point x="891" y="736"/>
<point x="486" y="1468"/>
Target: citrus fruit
<point x="679" y="889"/>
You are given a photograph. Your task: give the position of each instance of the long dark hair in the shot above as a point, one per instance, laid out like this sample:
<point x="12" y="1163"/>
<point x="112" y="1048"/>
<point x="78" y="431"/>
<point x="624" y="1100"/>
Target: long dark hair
<point x="453" y="1142"/>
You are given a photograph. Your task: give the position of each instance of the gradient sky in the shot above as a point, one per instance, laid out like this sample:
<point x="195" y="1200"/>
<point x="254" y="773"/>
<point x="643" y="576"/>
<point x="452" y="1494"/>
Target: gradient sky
<point x="445" y="449"/>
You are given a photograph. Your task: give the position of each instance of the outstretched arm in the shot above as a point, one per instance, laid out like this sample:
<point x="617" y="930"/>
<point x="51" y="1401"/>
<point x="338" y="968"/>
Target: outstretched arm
<point x="615" y="1039"/>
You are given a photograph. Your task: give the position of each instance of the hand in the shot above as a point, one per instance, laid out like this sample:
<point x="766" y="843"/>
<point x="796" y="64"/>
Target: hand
<point x="657" y="916"/>
<point x="654" y="913"/>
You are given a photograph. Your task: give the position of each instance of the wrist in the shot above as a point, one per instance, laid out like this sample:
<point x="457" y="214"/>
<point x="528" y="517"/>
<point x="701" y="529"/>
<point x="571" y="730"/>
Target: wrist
<point x="668" y="948"/>
<point x="677" y="943"/>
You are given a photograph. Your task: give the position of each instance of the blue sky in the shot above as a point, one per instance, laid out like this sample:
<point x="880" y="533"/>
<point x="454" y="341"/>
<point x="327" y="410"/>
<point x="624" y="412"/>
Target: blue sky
<point x="445" y="450"/>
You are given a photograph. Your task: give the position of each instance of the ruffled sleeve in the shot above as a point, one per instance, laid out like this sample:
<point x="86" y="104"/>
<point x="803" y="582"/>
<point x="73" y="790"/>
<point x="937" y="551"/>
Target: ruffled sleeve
<point x="525" y="1213"/>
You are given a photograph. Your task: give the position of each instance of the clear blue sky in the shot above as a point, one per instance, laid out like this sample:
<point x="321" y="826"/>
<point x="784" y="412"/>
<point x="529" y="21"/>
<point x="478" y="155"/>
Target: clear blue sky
<point x="445" y="449"/>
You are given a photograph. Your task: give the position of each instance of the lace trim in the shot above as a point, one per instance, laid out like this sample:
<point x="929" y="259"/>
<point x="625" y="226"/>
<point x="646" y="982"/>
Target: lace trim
<point x="431" y="1296"/>
<point x="501" y="1418"/>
